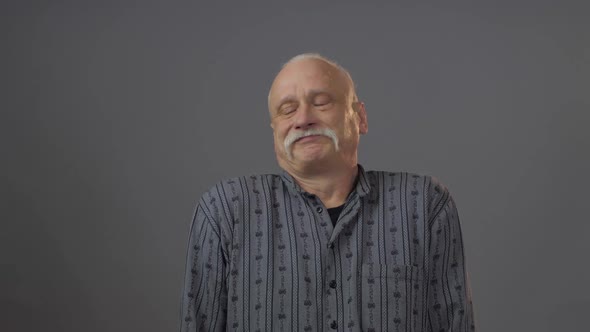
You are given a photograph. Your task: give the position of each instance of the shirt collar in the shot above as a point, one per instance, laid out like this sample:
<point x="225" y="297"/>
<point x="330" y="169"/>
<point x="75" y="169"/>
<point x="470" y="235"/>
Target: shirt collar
<point x="362" y="186"/>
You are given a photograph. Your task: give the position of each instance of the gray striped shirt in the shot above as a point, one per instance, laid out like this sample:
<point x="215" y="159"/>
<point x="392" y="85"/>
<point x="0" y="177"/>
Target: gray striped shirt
<point x="263" y="255"/>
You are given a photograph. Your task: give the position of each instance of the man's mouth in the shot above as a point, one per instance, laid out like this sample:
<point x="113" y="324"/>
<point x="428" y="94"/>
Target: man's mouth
<point x="307" y="138"/>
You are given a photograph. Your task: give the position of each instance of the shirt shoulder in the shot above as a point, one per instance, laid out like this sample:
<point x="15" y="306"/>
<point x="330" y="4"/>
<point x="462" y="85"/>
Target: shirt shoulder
<point x="234" y="189"/>
<point x="228" y="201"/>
<point x="428" y="187"/>
<point x="247" y="182"/>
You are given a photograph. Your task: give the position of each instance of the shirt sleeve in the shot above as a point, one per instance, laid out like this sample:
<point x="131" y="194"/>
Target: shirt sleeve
<point x="449" y="299"/>
<point x="204" y="296"/>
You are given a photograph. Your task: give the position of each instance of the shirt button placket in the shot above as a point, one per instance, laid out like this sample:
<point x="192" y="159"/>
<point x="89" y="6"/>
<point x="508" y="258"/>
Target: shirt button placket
<point x="331" y="290"/>
<point x="330" y="283"/>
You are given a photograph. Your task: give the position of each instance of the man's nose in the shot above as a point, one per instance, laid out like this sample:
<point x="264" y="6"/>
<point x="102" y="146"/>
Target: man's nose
<point x="305" y="117"/>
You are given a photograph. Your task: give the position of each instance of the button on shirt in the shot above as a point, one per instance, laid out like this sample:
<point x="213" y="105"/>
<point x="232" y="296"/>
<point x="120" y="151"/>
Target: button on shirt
<point x="264" y="255"/>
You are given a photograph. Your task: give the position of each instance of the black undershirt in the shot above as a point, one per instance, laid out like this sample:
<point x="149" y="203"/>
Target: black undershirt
<point x="335" y="213"/>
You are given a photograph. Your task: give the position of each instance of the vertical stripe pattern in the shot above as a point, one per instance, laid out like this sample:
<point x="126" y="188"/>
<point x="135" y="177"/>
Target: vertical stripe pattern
<point x="263" y="255"/>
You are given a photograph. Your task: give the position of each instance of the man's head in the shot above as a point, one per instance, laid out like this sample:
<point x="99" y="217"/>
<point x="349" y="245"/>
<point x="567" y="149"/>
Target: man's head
<point x="315" y="115"/>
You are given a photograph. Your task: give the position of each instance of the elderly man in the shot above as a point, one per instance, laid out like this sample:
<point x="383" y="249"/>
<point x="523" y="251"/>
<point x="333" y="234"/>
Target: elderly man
<point x="325" y="245"/>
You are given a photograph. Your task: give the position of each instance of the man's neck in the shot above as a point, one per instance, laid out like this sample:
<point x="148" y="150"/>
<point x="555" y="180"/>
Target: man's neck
<point x="332" y="187"/>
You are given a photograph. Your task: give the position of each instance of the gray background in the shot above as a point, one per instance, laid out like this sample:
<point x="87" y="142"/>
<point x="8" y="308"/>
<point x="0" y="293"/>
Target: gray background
<point x="117" y="115"/>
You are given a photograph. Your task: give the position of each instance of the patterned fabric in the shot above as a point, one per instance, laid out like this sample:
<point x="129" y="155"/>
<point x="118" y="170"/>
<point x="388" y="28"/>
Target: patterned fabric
<point x="263" y="256"/>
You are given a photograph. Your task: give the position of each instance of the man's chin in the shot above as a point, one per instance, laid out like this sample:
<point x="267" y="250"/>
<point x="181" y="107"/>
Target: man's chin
<point x="309" y="159"/>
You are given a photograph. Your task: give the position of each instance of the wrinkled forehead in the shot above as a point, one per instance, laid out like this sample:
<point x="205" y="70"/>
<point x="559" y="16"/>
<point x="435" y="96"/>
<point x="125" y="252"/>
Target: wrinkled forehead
<point x="305" y="75"/>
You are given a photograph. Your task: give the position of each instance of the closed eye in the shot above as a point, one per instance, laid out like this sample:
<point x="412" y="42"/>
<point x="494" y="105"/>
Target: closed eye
<point x="321" y="99"/>
<point x="288" y="109"/>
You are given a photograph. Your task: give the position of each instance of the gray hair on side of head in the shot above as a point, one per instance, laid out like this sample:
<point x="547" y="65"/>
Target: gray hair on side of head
<point x="317" y="56"/>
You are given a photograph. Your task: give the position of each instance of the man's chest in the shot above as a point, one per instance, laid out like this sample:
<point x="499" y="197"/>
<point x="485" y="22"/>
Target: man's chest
<point x="291" y="263"/>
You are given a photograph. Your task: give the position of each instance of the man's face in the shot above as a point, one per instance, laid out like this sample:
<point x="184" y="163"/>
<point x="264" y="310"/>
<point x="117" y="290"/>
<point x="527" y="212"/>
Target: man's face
<point x="313" y="115"/>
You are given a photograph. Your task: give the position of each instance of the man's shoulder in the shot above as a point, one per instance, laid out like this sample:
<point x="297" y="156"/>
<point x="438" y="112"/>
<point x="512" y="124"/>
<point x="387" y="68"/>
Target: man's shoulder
<point x="402" y="174"/>
<point x="431" y="187"/>
<point x="248" y="180"/>
<point x="231" y="194"/>
<point x="412" y="186"/>
<point x="231" y="187"/>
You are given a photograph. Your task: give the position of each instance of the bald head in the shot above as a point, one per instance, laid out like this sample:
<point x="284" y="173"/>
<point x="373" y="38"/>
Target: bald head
<point x="334" y="70"/>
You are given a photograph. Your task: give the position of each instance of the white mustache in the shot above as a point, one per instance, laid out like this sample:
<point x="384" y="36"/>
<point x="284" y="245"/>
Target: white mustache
<point x="294" y="136"/>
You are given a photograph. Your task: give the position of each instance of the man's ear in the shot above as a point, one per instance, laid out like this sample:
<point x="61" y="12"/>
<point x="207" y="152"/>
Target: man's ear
<point x="359" y="108"/>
